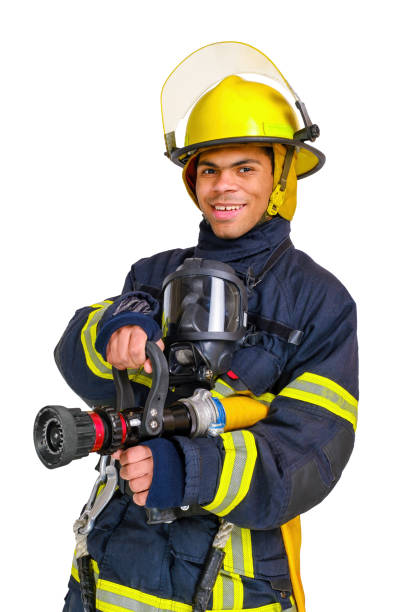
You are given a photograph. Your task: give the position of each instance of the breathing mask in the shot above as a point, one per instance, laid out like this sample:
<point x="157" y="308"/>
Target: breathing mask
<point x="204" y="319"/>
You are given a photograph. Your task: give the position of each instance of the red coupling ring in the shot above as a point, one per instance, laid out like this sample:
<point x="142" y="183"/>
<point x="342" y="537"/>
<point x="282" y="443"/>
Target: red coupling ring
<point x="99" y="431"/>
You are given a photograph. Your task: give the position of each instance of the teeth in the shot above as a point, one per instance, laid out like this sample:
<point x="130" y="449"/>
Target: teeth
<point x="228" y="207"/>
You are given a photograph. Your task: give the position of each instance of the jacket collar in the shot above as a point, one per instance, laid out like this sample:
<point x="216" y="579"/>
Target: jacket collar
<point x="251" y="249"/>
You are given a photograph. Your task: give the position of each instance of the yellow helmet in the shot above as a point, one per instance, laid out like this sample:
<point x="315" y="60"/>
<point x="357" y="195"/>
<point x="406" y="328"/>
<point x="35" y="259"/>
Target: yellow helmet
<point x="238" y="111"/>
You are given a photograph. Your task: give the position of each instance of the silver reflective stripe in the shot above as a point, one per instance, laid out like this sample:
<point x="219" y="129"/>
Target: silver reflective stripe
<point x="223" y="389"/>
<point x="264" y="402"/>
<point x="236" y="475"/>
<point x="237" y="471"/>
<point x="125" y="602"/>
<point x="227" y="592"/>
<point x="237" y="551"/>
<point x="332" y="396"/>
<point x="112" y="596"/>
<point x="230" y="596"/>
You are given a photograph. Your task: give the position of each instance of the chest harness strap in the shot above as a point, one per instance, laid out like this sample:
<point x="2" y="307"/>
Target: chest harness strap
<point x="251" y="280"/>
<point x="292" y="336"/>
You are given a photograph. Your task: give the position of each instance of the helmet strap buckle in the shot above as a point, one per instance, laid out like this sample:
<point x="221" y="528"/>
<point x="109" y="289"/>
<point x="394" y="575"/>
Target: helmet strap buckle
<point x="278" y="194"/>
<point x="276" y="200"/>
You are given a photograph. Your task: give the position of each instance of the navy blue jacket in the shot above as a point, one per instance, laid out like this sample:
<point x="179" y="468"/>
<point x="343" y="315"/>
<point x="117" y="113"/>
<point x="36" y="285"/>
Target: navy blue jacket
<point x="258" y="478"/>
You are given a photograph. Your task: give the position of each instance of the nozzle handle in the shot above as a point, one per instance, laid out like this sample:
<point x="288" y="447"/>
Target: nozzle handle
<point x="152" y="420"/>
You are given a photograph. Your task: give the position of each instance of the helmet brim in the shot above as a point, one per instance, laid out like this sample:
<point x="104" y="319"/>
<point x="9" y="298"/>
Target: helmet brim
<point x="309" y="159"/>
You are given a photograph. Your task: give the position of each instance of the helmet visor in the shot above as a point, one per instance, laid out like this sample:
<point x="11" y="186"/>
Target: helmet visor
<point x="201" y="306"/>
<point x="204" y="68"/>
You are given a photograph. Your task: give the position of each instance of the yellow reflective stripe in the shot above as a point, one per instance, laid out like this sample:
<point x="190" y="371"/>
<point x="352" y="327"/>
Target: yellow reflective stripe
<point x="238" y="553"/>
<point x="229" y="559"/>
<point x="233" y="598"/>
<point x="102" y="304"/>
<point x="228" y="592"/>
<point x="265" y="398"/>
<point x="247" y="552"/>
<point x="236" y="474"/>
<point x="94" y="360"/>
<point x="219" y="396"/>
<point x="218" y="593"/>
<point x="74" y="573"/>
<point x="222" y="389"/>
<point x="74" y="569"/>
<point x="330" y="384"/>
<point x="247" y="474"/>
<point x="238" y="592"/>
<point x="140" y="377"/>
<point x="226" y="472"/>
<point x="112" y="597"/>
<point x="323" y="392"/>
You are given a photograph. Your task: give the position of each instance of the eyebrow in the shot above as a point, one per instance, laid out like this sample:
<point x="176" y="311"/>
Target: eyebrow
<point x="238" y="163"/>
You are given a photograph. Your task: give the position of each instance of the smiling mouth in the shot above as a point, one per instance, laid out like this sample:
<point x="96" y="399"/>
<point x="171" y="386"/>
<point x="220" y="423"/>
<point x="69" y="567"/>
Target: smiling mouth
<point x="229" y="207"/>
<point x="226" y="212"/>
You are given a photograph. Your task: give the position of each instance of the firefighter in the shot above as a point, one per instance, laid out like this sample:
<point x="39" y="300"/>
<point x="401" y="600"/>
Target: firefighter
<point x="243" y="153"/>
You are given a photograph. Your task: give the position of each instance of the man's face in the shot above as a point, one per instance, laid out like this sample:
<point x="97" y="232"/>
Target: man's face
<point x="233" y="188"/>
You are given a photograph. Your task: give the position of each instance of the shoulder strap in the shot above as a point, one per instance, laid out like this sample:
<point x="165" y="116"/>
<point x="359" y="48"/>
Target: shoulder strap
<point x="251" y="280"/>
<point x="292" y="336"/>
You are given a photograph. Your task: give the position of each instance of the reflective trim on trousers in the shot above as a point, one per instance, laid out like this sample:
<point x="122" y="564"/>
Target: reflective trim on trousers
<point x="228" y="593"/>
<point x="238" y="553"/>
<point x="111" y="597"/>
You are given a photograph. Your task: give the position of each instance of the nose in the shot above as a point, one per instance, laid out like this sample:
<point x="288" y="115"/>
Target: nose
<point x="225" y="181"/>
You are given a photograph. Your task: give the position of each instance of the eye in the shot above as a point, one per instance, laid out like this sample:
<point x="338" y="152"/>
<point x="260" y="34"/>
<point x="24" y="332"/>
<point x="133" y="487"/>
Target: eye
<point x="208" y="171"/>
<point x="245" y="169"/>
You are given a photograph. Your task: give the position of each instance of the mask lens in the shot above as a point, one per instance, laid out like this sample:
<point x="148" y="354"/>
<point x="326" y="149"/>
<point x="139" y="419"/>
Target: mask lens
<point x="200" y="304"/>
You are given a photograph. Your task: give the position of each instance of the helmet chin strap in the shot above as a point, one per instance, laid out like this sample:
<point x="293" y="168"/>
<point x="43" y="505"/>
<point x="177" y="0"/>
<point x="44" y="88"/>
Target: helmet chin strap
<point x="277" y="196"/>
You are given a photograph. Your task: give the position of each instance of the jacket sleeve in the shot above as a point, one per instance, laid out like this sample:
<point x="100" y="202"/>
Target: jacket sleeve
<point x="262" y="477"/>
<point x="80" y="353"/>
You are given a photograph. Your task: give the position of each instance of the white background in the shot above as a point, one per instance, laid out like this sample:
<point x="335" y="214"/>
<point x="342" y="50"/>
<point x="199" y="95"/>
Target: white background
<point x="86" y="191"/>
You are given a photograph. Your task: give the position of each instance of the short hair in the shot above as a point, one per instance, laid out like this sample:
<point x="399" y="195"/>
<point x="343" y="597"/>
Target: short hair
<point x="269" y="152"/>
